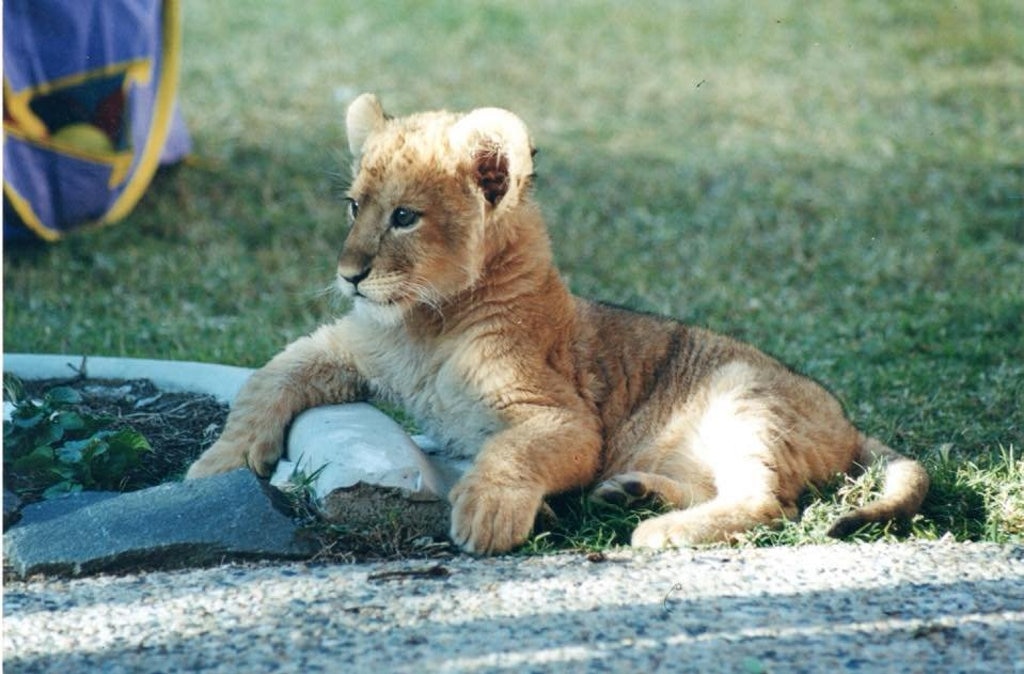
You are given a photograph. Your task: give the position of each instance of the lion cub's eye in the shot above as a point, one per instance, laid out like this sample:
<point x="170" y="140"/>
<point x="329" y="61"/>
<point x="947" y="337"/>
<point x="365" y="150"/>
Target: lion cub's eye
<point x="403" y="218"/>
<point x="353" y="208"/>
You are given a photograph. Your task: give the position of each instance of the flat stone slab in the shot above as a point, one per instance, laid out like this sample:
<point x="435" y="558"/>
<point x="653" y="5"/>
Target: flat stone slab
<point x="175" y="525"/>
<point x="42" y="511"/>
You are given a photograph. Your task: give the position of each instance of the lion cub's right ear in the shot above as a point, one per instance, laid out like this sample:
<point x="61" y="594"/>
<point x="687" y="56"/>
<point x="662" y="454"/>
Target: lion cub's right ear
<point x="365" y="116"/>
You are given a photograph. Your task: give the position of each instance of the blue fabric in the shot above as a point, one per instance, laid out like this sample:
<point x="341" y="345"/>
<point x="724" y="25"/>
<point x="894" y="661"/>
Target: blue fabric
<point x="95" y="64"/>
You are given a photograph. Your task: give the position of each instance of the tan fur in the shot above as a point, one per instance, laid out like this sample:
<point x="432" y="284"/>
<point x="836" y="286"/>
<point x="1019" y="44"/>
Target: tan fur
<point x="460" y="316"/>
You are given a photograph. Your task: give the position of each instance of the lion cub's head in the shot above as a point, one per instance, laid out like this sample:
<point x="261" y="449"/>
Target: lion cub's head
<point x="430" y="194"/>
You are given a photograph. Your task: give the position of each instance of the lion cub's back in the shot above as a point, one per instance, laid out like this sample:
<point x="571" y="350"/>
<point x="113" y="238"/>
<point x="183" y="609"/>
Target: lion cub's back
<point x="634" y="355"/>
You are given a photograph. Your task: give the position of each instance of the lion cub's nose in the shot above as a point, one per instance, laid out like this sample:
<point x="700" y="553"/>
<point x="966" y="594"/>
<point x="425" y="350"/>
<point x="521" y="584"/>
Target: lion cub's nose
<point x="354" y="277"/>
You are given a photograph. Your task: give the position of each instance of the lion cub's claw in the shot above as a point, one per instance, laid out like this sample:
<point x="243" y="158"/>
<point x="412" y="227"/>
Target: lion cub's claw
<point x="488" y="518"/>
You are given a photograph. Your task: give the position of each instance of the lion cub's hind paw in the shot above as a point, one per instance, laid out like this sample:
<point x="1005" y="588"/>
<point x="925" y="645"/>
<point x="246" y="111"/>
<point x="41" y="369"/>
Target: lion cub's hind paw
<point x="627" y="490"/>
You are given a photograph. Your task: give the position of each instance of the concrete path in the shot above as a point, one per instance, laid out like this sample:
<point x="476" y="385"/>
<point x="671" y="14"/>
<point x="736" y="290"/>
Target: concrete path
<point x="912" y="607"/>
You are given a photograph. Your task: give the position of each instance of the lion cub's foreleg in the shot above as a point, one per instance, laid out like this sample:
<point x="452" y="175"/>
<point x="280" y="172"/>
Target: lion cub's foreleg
<point x="544" y="451"/>
<point x="314" y="370"/>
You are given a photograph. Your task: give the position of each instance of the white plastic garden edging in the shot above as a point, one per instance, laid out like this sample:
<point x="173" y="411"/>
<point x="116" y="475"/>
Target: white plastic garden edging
<point x="220" y="381"/>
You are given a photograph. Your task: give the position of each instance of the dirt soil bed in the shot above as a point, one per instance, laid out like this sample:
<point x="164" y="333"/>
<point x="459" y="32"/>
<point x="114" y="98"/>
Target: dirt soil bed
<point x="178" y="425"/>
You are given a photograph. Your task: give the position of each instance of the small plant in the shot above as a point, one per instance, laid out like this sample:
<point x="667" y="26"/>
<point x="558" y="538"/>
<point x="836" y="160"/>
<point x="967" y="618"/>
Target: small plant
<point x="51" y="449"/>
<point x="300" y="490"/>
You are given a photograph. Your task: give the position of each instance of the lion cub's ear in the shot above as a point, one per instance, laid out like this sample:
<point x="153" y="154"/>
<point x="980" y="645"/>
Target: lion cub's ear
<point x="365" y="115"/>
<point x="499" y="148"/>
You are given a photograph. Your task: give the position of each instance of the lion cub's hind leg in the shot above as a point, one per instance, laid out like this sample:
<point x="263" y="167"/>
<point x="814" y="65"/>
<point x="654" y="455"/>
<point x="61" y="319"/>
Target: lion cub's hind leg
<point x="727" y="443"/>
<point x="718" y="520"/>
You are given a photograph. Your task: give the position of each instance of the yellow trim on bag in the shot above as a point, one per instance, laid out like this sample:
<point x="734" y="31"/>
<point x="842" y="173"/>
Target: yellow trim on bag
<point x="24" y="210"/>
<point x="135" y="70"/>
<point x="163" y="108"/>
<point x="19" y="111"/>
<point x="120" y="163"/>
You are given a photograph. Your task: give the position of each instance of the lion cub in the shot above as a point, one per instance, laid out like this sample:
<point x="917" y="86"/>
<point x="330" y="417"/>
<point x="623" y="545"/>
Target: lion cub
<point x="461" y="318"/>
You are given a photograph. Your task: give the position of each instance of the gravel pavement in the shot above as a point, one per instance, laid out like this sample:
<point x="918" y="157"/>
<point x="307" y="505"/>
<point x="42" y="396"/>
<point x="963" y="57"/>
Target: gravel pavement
<point x="911" y="607"/>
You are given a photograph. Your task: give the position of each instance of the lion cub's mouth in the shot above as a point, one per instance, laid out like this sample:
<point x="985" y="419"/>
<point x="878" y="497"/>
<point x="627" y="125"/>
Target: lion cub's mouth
<point x="374" y="292"/>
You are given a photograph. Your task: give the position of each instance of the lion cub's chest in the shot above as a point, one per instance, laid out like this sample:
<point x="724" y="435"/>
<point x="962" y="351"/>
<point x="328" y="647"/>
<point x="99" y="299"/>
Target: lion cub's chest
<point x="444" y="388"/>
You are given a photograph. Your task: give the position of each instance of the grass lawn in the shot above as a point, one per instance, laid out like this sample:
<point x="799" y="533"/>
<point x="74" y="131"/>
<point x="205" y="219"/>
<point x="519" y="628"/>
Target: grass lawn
<point x="839" y="183"/>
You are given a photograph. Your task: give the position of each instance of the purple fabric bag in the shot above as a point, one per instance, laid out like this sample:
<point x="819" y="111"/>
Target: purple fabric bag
<point x="89" y="110"/>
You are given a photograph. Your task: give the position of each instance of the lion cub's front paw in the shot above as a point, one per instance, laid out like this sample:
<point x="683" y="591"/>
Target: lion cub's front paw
<point x="225" y="455"/>
<point x="219" y="458"/>
<point x="488" y="518"/>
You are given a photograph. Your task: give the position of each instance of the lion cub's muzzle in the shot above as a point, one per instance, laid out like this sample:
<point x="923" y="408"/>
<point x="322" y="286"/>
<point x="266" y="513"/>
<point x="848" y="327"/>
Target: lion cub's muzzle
<point x="353" y="268"/>
<point x="349" y="279"/>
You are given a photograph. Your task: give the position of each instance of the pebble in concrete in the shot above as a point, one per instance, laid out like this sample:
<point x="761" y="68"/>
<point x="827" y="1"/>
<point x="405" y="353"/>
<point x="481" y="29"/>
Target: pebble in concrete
<point x="174" y="525"/>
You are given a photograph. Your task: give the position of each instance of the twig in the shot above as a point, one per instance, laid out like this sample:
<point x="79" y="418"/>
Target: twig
<point x="436" y="571"/>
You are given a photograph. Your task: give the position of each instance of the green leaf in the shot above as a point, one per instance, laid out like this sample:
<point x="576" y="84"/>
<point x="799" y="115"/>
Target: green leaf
<point x="48" y="433"/>
<point x="64" y="471"/>
<point x="22" y="419"/>
<point x="61" y="489"/>
<point x="125" y="449"/>
<point x="132" y="441"/>
<point x="70" y="421"/>
<point x="96" y="448"/>
<point x="62" y="395"/>
<point x="39" y="459"/>
<point x="73" y="450"/>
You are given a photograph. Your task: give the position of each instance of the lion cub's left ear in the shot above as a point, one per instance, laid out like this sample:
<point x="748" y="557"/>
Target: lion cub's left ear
<point x="500" y="152"/>
<point x="365" y="115"/>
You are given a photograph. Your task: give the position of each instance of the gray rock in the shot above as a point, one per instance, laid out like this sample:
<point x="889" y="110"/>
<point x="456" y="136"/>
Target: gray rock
<point x="12" y="506"/>
<point x="175" y="525"/>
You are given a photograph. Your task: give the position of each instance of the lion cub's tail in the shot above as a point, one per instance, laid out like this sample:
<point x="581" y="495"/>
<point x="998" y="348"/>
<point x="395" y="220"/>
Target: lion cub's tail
<point x="906" y="484"/>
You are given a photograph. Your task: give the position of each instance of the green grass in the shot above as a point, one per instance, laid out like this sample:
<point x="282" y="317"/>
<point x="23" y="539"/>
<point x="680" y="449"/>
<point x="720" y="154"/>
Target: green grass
<point x="839" y="183"/>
